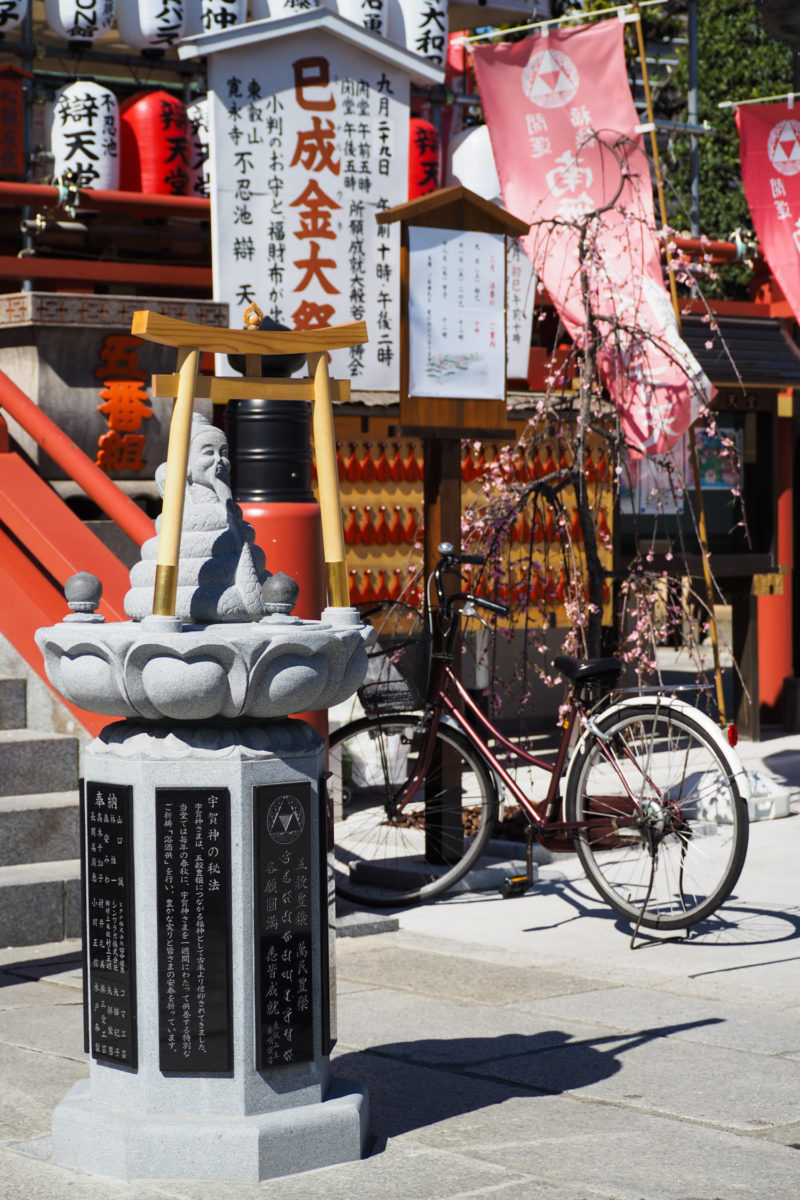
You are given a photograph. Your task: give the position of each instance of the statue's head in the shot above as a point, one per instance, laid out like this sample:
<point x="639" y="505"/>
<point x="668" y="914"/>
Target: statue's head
<point x="209" y="465"/>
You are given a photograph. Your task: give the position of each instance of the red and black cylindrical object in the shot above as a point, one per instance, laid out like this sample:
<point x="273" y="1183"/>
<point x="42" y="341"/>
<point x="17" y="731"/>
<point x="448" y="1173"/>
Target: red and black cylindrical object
<point x="270" y="451"/>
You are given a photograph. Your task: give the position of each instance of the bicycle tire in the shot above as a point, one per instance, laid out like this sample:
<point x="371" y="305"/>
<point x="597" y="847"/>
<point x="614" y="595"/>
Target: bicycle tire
<point x="665" y="851"/>
<point x="379" y="855"/>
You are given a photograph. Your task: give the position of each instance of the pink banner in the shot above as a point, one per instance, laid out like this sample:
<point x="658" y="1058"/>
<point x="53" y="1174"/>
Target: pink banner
<point x="769" y="147"/>
<point x="562" y="124"/>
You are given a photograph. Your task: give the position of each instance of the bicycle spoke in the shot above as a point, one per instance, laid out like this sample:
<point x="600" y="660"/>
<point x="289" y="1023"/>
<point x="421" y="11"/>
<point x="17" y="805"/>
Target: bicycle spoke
<point x="665" y="827"/>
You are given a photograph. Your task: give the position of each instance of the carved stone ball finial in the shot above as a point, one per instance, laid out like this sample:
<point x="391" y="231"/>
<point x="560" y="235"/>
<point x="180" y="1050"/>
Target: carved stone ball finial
<point x="83" y="592"/>
<point x="279" y="596"/>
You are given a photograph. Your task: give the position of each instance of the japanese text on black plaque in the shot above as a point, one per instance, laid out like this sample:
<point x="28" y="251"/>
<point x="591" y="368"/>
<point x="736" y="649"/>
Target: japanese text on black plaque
<point x="195" y="1021"/>
<point x="284" y="1017"/>
<point x="110" y="927"/>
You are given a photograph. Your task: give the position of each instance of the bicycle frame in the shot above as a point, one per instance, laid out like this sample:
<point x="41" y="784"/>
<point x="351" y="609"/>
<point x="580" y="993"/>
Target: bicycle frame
<point x="545" y="816"/>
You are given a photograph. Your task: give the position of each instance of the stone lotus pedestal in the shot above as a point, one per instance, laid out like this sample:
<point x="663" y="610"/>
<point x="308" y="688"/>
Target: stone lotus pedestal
<point x="208" y="899"/>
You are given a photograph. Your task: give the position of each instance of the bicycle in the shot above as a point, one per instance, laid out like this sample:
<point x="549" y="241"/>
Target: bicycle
<point x="644" y="787"/>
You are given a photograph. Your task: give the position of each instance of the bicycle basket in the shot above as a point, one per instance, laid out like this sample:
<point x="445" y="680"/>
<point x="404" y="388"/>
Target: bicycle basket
<point x="399" y="659"/>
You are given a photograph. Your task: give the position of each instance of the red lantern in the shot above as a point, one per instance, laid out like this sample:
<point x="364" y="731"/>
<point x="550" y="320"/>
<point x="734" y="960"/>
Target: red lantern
<point x="423" y="158"/>
<point x="155" y="145"/>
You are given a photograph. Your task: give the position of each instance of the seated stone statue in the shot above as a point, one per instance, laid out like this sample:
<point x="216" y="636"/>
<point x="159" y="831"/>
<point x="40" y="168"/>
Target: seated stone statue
<point x="221" y="571"/>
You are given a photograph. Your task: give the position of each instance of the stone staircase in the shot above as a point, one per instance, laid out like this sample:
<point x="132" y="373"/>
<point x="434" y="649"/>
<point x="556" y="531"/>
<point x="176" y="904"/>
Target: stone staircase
<point x="39" y="838"/>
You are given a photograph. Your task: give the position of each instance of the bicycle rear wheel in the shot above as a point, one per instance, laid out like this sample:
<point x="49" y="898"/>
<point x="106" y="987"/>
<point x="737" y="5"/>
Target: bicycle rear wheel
<point x="388" y="856"/>
<point x="664" y="824"/>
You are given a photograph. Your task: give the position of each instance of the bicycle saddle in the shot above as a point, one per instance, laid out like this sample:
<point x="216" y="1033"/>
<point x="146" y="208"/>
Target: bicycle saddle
<point x="605" y="669"/>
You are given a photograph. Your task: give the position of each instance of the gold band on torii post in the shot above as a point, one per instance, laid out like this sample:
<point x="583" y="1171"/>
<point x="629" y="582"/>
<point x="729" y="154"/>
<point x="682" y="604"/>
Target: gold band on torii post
<point x="189" y="339"/>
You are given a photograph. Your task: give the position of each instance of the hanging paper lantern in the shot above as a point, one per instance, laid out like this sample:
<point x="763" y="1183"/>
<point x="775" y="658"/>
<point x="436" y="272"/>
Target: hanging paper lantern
<point x="12" y="14"/>
<point x="155" y="145"/>
<point x="84" y="134"/>
<point x="471" y="163"/>
<point x="423" y="157"/>
<point x="79" y="20"/>
<point x="280" y="8"/>
<point x="209" y="16"/>
<point x="425" y="28"/>
<point x="151" y="24"/>
<point x="199" y="174"/>
<point x="369" y="14"/>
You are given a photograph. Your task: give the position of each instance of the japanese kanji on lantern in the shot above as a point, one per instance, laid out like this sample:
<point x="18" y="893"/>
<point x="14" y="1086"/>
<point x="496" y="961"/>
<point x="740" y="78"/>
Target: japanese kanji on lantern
<point x="12" y="15"/>
<point x="151" y="24"/>
<point x="84" y="134"/>
<point x="156" y="151"/>
<point x="79" y="20"/>
<point x="308" y="141"/>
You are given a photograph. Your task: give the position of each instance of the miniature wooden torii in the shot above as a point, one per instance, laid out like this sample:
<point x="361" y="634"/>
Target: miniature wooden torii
<point x="191" y="340"/>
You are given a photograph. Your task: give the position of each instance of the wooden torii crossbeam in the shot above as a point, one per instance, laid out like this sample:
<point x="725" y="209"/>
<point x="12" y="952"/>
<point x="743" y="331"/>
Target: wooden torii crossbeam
<point x="191" y="340"/>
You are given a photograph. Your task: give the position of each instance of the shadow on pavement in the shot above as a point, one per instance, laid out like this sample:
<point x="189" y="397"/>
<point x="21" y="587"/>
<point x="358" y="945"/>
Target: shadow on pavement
<point x="734" y="924"/>
<point x="419" y="1083"/>
<point x="38" y="968"/>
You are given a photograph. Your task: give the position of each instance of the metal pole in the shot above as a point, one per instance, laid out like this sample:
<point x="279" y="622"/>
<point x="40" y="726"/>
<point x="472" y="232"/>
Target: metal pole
<point x="701" y="515"/>
<point x="693" y="119"/>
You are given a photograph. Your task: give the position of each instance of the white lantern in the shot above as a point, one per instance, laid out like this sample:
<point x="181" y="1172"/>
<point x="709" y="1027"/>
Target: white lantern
<point x="425" y="29"/>
<point x="199" y="165"/>
<point x="369" y="14"/>
<point x="210" y="16"/>
<point x="470" y="162"/>
<point x="12" y="14"/>
<point x="151" y="24"/>
<point x="84" y="134"/>
<point x="79" y="20"/>
<point x="283" y="8"/>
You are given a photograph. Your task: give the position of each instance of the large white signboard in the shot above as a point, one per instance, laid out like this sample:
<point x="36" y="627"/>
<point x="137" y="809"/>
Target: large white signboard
<point x="457" y="338"/>
<point x="308" y="127"/>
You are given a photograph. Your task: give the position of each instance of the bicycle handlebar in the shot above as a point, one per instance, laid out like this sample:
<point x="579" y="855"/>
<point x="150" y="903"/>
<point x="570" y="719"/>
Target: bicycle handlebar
<point x="450" y="559"/>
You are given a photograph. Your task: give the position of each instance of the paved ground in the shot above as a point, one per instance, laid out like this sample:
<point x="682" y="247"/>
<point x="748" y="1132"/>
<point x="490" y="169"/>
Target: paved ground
<point x="513" y="1050"/>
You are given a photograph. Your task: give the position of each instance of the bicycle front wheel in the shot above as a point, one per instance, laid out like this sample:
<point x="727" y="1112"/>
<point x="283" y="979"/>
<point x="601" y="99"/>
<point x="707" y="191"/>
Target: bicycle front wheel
<point x="663" y="824"/>
<point x="392" y="853"/>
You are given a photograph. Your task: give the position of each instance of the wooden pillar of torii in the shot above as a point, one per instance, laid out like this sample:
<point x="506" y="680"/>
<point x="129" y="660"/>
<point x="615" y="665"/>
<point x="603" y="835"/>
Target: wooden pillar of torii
<point x="190" y="340"/>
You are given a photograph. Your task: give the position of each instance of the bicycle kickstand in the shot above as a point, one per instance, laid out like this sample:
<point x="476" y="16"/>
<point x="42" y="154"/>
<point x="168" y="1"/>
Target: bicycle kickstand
<point x="518" y="885"/>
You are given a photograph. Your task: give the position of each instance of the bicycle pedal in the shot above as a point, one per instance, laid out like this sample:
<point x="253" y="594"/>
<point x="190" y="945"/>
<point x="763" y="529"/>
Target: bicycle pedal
<point x="515" y="885"/>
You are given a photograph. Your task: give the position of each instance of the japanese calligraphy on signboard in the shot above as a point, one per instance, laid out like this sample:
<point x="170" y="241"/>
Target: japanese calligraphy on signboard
<point x="456" y="313"/>
<point x="308" y="135"/>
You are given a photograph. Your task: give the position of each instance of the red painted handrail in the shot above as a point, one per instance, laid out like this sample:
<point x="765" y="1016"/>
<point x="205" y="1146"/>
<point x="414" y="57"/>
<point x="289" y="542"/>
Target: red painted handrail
<point x="76" y="464"/>
<point x="91" y="271"/>
<point x="15" y="195"/>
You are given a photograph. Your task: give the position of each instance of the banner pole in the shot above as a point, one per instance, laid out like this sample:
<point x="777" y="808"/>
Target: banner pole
<point x="698" y="489"/>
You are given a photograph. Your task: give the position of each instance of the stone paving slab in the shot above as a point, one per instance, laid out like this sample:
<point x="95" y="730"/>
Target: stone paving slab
<point x="387" y="963"/>
<point x="626" y="1008"/>
<point x="604" y="1151"/>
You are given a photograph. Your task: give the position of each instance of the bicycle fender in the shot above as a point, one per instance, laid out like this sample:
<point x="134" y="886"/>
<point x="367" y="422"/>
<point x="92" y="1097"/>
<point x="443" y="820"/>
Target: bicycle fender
<point x="736" y="767"/>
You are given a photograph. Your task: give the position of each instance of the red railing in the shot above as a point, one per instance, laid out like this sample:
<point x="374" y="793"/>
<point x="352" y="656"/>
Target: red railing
<point x="43" y="543"/>
<point x="77" y="465"/>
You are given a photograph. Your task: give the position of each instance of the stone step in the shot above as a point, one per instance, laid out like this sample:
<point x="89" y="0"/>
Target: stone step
<point x="41" y="827"/>
<point x="31" y="762"/>
<point x="13" y="703"/>
<point x="40" y="902"/>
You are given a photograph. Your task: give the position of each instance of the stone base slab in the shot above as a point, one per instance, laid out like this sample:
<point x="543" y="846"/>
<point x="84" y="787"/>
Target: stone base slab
<point x="127" y="1145"/>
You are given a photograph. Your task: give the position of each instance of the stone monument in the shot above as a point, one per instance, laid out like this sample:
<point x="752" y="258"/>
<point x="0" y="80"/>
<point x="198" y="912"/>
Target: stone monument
<point x="208" y="899"/>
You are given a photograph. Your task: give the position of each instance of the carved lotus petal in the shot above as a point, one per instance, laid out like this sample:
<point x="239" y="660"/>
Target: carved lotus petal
<point x="175" y="687"/>
<point x="283" y="682"/>
<point x="90" y="681"/>
<point x="196" y="685"/>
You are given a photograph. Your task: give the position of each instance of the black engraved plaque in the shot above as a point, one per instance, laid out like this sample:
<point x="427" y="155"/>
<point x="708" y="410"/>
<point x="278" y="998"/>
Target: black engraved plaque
<point x="110" y="933"/>
<point x="284" y="971"/>
<point x="193" y="892"/>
